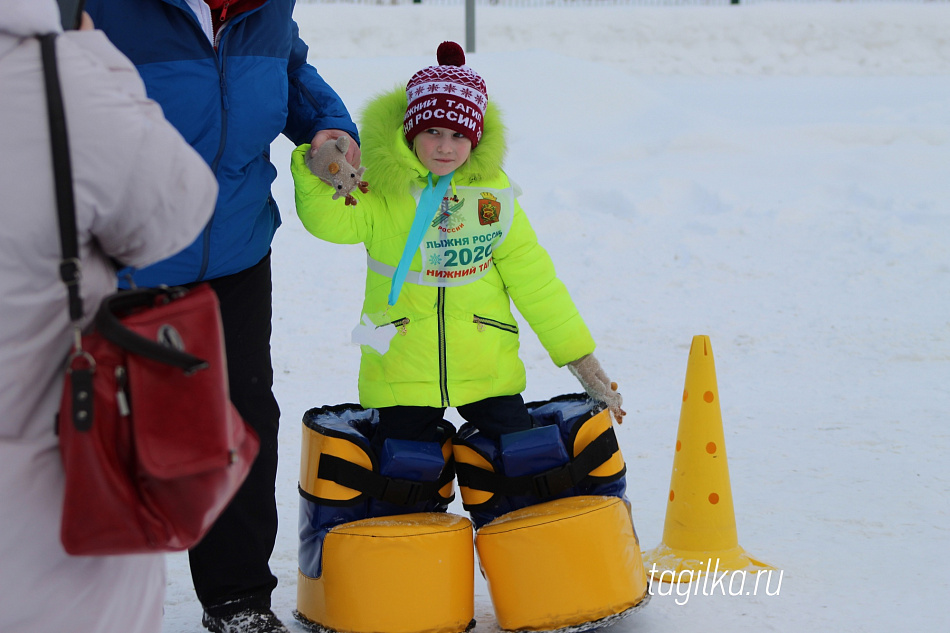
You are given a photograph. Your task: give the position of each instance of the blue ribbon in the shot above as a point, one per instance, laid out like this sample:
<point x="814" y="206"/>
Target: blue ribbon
<point x="429" y="201"/>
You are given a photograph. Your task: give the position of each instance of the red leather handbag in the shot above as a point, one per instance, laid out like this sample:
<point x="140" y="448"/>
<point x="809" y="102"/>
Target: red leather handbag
<point x="152" y="448"/>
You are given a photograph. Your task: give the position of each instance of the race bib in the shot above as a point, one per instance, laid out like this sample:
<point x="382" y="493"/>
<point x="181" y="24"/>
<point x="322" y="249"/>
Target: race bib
<point x="459" y="245"/>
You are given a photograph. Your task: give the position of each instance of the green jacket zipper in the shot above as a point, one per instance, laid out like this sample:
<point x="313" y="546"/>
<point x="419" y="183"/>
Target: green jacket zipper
<point x="443" y="374"/>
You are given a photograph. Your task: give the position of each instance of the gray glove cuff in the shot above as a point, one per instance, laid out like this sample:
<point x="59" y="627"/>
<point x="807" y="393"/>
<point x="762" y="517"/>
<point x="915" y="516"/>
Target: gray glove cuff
<point x="595" y="382"/>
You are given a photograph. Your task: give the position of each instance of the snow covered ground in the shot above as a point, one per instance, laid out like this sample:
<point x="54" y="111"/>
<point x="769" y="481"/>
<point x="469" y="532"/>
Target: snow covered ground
<point x="774" y="176"/>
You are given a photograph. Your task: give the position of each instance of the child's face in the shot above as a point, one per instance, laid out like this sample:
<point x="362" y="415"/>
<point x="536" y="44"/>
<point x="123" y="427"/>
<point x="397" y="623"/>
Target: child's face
<point x="441" y="150"/>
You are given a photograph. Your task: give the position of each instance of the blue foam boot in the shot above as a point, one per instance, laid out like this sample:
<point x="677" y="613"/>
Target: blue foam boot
<point x="572" y="450"/>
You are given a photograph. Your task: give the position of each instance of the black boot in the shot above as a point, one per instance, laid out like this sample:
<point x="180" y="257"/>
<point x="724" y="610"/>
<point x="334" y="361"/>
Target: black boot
<point x="248" y="621"/>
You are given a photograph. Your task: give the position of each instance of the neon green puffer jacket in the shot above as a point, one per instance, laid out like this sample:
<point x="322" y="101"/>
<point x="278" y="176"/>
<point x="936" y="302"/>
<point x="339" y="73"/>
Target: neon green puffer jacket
<point x="454" y="339"/>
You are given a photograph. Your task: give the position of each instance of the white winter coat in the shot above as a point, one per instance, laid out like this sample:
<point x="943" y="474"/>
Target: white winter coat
<point x="142" y="194"/>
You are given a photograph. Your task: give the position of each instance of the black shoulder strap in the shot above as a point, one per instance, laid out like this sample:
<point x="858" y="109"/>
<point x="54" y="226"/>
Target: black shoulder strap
<point x="69" y="267"/>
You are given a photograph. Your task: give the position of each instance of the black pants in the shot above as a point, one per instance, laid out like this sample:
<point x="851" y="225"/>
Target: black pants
<point x="493" y="417"/>
<point x="229" y="566"/>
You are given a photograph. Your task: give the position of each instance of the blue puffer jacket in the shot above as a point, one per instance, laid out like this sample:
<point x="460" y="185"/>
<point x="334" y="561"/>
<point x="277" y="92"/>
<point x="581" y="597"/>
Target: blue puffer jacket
<point x="230" y="104"/>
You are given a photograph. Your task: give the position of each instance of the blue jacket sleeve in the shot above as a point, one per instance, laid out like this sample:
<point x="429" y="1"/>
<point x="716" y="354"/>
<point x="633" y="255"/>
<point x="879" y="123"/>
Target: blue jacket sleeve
<point x="312" y="104"/>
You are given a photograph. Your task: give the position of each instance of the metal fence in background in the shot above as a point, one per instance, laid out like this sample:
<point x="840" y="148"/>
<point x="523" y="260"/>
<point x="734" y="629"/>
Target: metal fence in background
<point x="470" y="6"/>
<point x="604" y="3"/>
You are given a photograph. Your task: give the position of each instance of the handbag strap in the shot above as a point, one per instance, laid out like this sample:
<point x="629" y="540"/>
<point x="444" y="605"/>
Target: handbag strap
<point x="112" y="329"/>
<point x="70" y="268"/>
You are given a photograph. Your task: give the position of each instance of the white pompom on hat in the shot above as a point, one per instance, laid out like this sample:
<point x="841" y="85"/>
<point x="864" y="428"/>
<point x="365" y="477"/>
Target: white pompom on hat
<point x="450" y="95"/>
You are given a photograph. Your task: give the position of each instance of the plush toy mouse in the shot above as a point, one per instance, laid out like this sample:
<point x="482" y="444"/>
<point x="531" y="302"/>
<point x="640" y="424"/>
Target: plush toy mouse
<point x="328" y="163"/>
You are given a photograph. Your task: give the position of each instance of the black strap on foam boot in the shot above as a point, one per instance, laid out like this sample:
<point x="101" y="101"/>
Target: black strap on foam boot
<point x="403" y="492"/>
<point x="550" y="482"/>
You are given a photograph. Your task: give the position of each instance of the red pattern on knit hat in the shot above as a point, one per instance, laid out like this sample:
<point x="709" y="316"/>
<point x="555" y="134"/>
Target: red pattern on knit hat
<point x="450" y="95"/>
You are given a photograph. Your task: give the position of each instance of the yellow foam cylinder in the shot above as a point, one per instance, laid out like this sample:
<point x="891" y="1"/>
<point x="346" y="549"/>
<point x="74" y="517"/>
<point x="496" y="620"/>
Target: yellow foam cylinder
<point x="699" y="533"/>
<point x="562" y="563"/>
<point x="411" y="573"/>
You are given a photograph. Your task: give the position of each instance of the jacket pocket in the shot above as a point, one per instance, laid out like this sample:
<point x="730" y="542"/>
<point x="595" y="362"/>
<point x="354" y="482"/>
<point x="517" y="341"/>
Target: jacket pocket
<point x="402" y="325"/>
<point x="410" y="357"/>
<point x="480" y="348"/>
<point x="483" y="322"/>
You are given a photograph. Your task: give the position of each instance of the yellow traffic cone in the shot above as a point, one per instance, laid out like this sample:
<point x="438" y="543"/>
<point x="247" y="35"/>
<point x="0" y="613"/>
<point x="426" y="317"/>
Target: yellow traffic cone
<point x="699" y="534"/>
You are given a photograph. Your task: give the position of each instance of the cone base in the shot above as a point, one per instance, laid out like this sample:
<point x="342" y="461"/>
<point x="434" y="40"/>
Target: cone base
<point x="665" y="564"/>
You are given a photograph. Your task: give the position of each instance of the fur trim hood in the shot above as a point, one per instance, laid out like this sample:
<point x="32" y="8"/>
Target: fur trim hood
<point x="391" y="164"/>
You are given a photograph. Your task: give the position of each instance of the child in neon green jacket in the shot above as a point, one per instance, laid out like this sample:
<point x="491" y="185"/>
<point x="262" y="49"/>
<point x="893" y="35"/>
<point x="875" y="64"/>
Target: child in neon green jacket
<point x="448" y="249"/>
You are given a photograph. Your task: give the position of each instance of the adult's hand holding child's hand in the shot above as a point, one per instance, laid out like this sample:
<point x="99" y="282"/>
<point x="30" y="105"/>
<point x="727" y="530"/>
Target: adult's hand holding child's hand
<point x="353" y="151"/>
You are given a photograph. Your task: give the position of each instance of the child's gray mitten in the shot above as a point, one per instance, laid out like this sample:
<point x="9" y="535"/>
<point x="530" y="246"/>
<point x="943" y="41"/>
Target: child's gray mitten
<point x="592" y="377"/>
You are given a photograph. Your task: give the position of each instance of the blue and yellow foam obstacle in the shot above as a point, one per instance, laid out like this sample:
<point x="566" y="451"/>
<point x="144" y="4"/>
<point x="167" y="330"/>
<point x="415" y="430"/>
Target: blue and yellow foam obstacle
<point x="555" y="536"/>
<point x="378" y="553"/>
